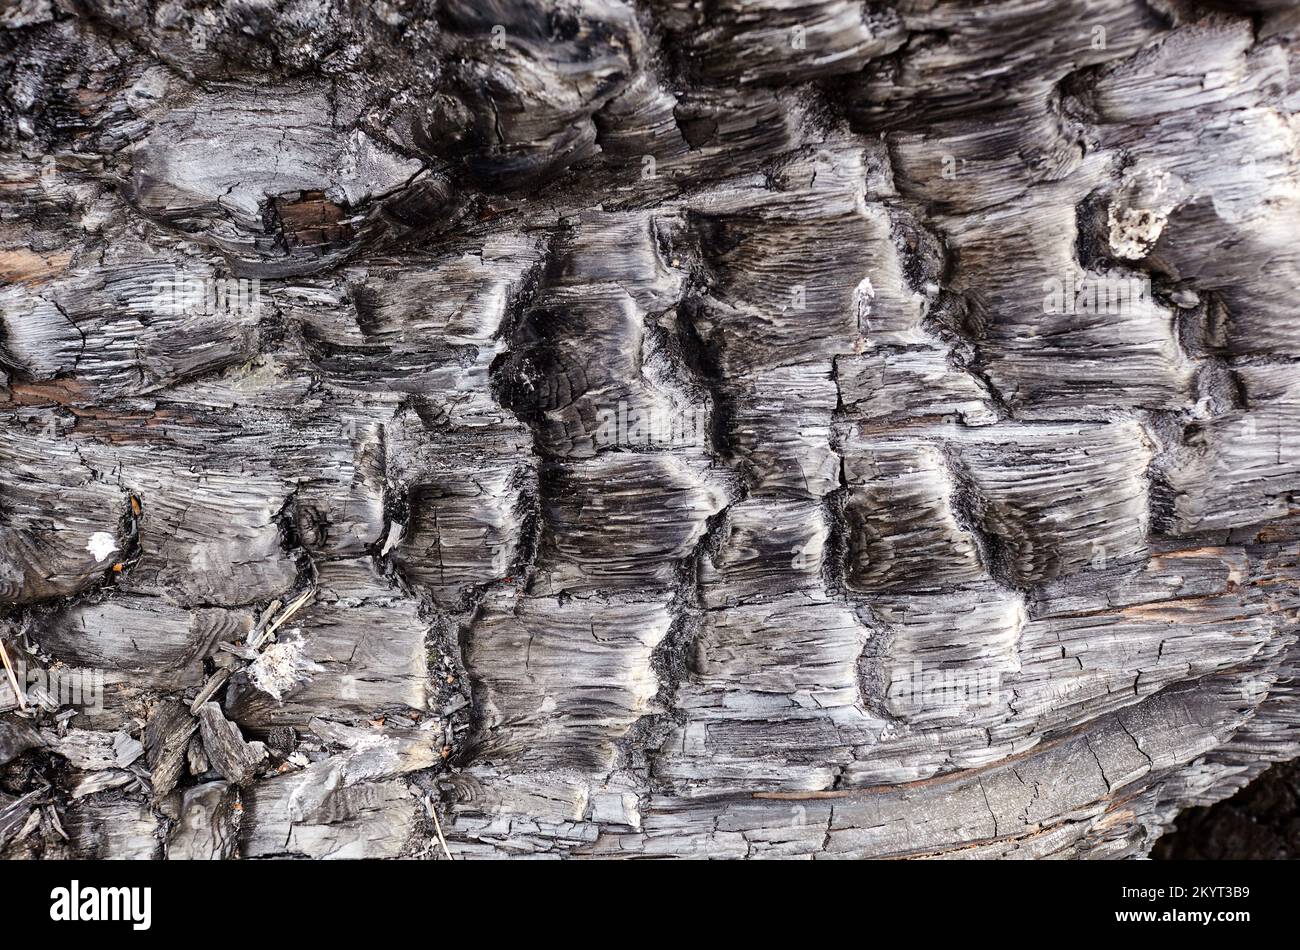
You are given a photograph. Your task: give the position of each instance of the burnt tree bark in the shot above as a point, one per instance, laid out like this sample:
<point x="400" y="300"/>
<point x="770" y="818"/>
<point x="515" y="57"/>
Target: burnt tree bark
<point x="599" y="428"/>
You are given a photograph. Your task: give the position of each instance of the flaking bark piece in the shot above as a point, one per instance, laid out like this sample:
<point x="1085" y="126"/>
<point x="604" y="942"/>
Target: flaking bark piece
<point x="235" y="759"/>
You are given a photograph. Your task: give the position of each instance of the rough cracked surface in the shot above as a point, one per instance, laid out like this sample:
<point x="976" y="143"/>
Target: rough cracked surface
<point x="815" y="429"/>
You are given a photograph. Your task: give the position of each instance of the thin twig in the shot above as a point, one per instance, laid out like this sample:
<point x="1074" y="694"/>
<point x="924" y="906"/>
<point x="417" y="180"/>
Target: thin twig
<point x="13" y="679"/>
<point x="285" y="614"/>
<point x="438" y="828"/>
<point x="214" y="683"/>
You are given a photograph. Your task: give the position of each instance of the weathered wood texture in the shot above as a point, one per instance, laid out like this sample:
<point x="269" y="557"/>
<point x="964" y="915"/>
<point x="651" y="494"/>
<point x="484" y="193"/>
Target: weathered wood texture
<point x="727" y="429"/>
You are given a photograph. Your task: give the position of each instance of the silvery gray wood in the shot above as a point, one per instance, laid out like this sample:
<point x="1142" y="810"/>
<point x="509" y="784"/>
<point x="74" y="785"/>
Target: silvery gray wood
<point x="611" y="429"/>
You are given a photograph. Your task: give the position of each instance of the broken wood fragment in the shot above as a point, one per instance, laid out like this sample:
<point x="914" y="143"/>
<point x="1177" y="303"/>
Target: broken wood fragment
<point x="224" y="746"/>
<point x="620" y="429"/>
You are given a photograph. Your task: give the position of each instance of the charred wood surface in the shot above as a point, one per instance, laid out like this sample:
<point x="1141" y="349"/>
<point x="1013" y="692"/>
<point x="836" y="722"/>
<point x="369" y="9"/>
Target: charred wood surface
<point x="616" y="429"/>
